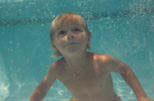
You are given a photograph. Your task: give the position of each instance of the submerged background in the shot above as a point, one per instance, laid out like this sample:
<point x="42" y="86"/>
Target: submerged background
<point x="124" y="29"/>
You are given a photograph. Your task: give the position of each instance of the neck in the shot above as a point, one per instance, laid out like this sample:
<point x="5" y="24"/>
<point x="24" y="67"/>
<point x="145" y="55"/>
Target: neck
<point x="77" y="61"/>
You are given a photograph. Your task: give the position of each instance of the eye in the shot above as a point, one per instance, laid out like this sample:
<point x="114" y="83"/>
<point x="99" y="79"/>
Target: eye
<point x="62" y="32"/>
<point x="76" y="30"/>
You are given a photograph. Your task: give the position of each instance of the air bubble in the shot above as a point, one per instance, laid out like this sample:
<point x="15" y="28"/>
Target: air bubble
<point x="10" y="42"/>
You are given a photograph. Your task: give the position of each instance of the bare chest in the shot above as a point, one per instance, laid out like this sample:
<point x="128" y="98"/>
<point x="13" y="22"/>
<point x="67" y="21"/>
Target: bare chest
<point x="86" y="80"/>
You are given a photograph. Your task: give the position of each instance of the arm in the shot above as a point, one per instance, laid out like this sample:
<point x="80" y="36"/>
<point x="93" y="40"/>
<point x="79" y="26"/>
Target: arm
<point x="40" y="92"/>
<point x="129" y="77"/>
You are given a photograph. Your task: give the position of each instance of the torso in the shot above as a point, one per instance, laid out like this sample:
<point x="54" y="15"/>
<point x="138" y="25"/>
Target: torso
<point x="93" y="83"/>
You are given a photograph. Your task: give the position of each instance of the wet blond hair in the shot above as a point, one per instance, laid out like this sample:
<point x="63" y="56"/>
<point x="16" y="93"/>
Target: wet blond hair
<point x="63" y="18"/>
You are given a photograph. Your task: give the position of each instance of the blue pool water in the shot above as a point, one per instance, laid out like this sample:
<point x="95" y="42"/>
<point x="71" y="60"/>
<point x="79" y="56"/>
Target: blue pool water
<point x="124" y="29"/>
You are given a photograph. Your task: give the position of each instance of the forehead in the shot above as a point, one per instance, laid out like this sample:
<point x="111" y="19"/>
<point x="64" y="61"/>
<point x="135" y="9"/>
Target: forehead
<point x="68" y="19"/>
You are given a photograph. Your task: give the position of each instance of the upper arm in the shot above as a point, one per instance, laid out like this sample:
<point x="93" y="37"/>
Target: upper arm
<point x="48" y="80"/>
<point x="117" y="65"/>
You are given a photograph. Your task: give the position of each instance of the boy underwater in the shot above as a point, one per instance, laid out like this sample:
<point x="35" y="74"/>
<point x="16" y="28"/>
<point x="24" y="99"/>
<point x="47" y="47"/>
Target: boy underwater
<point x="85" y="74"/>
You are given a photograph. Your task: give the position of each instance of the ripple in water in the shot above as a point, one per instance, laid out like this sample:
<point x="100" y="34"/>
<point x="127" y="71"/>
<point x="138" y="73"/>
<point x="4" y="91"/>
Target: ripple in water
<point x="4" y="83"/>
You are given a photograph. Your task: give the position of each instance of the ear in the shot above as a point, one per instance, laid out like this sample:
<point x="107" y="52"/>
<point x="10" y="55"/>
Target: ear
<point x="54" y="47"/>
<point x="89" y="38"/>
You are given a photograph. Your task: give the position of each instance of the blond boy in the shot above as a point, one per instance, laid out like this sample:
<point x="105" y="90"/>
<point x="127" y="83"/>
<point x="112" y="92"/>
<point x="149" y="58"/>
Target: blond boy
<point x="86" y="75"/>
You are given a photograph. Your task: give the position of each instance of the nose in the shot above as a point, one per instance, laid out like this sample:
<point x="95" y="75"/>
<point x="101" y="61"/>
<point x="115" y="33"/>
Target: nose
<point x="70" y="35"/>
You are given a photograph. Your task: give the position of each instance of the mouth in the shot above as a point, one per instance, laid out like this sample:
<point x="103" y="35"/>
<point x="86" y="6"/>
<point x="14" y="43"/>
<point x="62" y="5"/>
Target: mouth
<point x="71" y="44"/>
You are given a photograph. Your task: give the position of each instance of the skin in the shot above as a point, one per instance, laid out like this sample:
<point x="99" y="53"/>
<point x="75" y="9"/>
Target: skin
<point x="86" y="75"/>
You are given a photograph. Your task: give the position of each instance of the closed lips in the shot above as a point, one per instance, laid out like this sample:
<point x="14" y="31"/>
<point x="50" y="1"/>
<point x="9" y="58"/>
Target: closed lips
<point x="71" y="44"/>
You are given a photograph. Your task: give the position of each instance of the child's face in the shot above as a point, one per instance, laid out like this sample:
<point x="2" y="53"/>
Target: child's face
<point x="70" y="37"/>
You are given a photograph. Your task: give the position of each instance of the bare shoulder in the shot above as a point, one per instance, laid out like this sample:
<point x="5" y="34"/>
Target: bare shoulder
<point x="110" y="63"/>
<point x="56" y="67"/>
<point x="103" y="58"/>
<point x="103" y="61"/>
<point x="52" y="75"/>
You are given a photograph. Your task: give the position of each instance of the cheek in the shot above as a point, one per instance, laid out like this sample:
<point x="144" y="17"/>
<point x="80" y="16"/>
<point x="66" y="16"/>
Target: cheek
<point x="84" y="40"/>
<point x="60" y="43"/>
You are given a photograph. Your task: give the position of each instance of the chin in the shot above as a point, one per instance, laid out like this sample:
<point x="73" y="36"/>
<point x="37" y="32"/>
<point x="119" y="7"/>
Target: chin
<point x="73" y="49"/>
